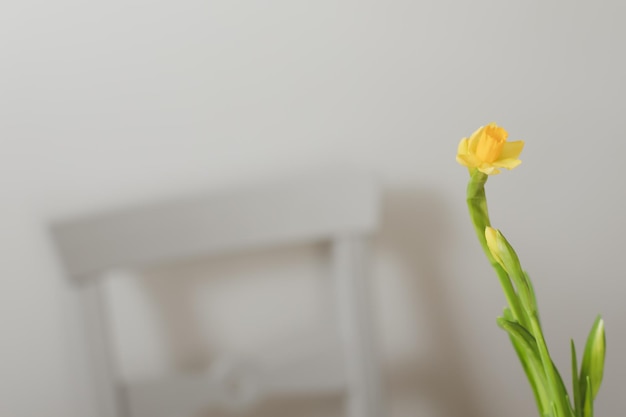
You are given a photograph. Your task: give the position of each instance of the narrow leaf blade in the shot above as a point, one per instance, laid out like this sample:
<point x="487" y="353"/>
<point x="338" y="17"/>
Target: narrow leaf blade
<point x="575" y="382"/>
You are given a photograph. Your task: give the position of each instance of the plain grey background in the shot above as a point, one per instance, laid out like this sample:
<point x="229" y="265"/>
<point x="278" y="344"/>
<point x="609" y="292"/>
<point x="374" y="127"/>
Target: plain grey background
<point x="107" y="103"/>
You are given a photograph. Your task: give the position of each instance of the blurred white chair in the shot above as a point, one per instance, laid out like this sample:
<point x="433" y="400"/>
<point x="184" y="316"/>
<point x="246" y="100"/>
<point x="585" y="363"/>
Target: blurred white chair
<point x="341" y="210"/>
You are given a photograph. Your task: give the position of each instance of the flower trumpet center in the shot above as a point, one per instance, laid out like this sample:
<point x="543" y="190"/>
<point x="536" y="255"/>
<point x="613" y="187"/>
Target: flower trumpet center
<point x="490" y="143"/>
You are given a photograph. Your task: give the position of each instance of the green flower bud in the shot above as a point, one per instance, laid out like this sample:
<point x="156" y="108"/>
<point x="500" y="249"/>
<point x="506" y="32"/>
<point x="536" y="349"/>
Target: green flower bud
<point x="593" y="358"/>
<point x="502" y="251"/>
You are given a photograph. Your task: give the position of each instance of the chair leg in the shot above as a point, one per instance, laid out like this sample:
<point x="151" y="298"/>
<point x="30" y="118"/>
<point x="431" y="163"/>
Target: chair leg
<point x="355" y="327"/>
<point x="106" y="391"/>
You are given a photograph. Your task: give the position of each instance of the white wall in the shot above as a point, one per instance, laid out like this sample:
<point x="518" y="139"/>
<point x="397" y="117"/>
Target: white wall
<point x="103" y="103"/>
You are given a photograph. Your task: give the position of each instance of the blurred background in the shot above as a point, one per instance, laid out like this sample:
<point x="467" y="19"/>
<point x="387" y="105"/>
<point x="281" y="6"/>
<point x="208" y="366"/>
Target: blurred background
<point x="104" y="104"/>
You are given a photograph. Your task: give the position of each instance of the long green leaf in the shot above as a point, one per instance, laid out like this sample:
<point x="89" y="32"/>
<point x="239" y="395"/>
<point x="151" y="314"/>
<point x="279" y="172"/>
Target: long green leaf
<point x="562" y="390"/>
<point x="576" y="382"/>
<point x="588" y="407"/>
<point x="526" y="349"/>
<point x="531" y="289"/>
<point x="556" y="393"/>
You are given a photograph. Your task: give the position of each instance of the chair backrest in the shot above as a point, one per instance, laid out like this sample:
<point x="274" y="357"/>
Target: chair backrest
<point x="297" y="211"/>
<point x="340" y="209"/>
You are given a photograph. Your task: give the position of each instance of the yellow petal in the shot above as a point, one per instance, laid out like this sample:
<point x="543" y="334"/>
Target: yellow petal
<point x="512" y="150"/>
<point x="488" y="169"/>
<point x="508" y="163"/>
<point x="467" y="160"/>
<point x="461" y="159"/>
<point x="477" y="133"/>
<point x="462" y="149"/>
<point x="475" y="139"/>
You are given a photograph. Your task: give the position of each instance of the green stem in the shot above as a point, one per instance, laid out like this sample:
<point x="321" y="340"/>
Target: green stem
<point x="477" y="205"/>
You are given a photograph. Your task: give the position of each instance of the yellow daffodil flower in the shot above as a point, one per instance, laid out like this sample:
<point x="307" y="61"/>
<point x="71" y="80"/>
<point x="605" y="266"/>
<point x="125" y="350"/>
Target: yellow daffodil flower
<point x="487" y="150"/>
